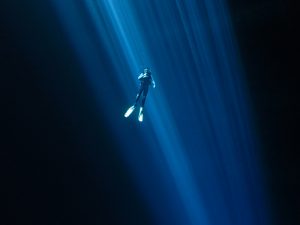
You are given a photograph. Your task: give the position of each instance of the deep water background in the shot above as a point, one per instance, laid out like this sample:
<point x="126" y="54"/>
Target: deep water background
<point x="78" y="161"/>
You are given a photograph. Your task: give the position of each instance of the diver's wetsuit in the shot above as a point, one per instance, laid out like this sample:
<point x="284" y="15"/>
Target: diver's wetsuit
<point x="146" y="80"/>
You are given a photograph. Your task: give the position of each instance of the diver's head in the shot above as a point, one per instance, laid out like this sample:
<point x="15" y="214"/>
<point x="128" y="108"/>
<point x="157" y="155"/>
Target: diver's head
<point x="147" y="71"/>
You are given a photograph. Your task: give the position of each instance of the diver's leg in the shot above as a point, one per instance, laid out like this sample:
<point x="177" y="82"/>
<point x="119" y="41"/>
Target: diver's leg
<point x="138" y="95"/>
<point x="144" y="96"/>
<point x="141" y="113"/>
<point x="132" y="108"/>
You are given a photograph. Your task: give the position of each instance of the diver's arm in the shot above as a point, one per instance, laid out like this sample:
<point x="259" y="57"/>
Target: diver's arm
<point x="153" y="83"/>
<point x="140" y="76"/>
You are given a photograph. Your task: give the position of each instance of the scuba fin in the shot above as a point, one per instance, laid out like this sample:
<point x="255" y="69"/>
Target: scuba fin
<point x="129" y="111"/>
<point x="141" y="115"/>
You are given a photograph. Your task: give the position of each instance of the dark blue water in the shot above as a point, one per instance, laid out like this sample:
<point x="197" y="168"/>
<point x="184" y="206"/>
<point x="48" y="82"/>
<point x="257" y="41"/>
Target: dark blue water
<point x="195" y="159"/>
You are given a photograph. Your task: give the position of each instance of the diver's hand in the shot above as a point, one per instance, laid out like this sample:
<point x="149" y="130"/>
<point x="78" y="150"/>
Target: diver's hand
<point x="140" y="76"/>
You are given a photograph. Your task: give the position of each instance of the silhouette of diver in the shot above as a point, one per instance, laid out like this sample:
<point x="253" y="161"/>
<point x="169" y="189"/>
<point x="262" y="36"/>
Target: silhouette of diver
<point x="145" y="79"/>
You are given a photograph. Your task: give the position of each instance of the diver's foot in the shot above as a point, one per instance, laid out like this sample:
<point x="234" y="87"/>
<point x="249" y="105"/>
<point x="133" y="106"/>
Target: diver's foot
<point x="141" y="115"/>
<point x="129" y="111"/>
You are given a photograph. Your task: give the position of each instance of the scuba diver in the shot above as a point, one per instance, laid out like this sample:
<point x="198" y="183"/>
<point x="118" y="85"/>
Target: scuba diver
<point x="145" y="79"/>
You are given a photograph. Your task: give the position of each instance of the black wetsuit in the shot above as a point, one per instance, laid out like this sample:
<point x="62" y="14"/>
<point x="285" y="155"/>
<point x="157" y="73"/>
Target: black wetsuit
<point x="144" y="86"/>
